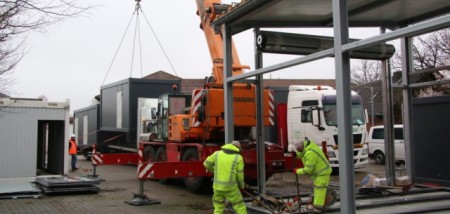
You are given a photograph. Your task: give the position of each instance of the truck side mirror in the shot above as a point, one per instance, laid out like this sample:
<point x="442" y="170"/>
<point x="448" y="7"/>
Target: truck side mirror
<point x="316" y="119"/>
<point x="153" y="113"/>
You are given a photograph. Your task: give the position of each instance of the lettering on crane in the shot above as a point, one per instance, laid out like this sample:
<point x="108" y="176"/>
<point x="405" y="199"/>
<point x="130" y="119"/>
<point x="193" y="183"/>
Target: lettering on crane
<point x="244" y="99"/>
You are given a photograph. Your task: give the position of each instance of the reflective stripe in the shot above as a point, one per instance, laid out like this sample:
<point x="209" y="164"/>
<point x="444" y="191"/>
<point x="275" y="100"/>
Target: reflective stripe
<point x="236" y="202"/>
<point x="218" y="202"/>
<point x="229" y="183"/>
<point x="323" y="160"/>
<point x="233" y="168"/>
<point x="215" y="164"/>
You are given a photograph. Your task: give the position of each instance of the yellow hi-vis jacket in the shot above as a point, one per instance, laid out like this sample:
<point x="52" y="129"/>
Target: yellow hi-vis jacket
<point x="314" y="161"/>
<point x="228" y="168"/>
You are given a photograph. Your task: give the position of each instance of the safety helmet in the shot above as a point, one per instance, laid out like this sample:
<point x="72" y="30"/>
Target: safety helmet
<point x="300" y="145"/>
<point x="72" y="136"/>
<point x="237" y="144"/>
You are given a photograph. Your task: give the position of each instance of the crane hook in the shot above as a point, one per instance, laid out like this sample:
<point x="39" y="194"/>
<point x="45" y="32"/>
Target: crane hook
<point x="138" y="5"/>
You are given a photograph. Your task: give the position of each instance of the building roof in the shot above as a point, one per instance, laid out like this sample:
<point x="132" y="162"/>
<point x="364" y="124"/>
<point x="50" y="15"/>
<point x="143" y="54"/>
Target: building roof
<point x="3" y="95"/>
<point x="188" y="85"/>
<point x="161" y="75"/>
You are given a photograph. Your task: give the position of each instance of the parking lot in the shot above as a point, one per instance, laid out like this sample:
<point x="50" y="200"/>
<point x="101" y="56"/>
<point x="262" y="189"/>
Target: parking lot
<point x="121" y="183"/>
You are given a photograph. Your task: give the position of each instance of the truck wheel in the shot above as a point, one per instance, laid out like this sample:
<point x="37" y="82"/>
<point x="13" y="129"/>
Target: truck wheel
<point x="161" y="156"/>
<point x="86" y="155"/>
<point x="378" y="157"/>
<point x="196" y="184"/>
<point x="149" y="154"/>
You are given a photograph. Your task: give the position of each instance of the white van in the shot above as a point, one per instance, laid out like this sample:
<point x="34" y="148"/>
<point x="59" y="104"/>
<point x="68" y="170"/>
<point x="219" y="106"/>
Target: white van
<point x="375" y="140"/>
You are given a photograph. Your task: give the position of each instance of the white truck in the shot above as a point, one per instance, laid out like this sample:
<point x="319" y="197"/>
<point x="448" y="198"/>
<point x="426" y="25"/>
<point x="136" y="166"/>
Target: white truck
<point x="375" y="141"/>
<point x="311" y="113"/>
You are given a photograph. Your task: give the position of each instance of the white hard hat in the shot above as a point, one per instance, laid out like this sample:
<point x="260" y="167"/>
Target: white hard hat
<point x="72" y="136"/>
<point x="237" y="144"/>
<point x="299" y="146"/>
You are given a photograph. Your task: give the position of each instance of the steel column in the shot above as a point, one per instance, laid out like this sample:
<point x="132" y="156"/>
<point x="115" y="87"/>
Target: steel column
<point x="407" y="67"/>
<point x="388" y="125"/>
<point x="259" y="121"/>
<point x="388" y="120"/>
<point x="228" y="86"/>
<point x="343" y="100"/>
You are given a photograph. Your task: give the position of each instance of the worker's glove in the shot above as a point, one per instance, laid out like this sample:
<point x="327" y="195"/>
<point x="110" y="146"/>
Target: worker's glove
<point x="295" y="170"/>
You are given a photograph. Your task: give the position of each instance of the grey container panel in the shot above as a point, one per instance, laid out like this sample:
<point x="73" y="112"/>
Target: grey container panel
<point x="131" y="89"/>
<point x="430" y="134"/>
<point x="93" y="124"/>
<point x="19" y="139"/>
<point x="109" y="104"/>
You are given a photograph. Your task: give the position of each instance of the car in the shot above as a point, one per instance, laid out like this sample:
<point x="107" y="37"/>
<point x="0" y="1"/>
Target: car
<point x="375" y="141"/>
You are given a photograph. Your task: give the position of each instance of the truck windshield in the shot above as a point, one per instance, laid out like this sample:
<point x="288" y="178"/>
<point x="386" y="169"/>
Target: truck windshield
<point x="330" y="113"/>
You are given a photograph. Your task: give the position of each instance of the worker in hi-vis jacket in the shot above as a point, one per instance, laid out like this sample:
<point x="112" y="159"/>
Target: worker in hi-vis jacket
<point x="317" y="166"/>
<point x="73" y="152"/>
<point x="227" y="165"/>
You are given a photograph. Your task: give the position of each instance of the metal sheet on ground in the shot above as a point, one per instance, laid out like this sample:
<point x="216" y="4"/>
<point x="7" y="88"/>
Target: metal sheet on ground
<point x="64" y="184"/>
<point x="67" y="181"/>
<point x="18" y="188"/>
<point x="70" y="189"/>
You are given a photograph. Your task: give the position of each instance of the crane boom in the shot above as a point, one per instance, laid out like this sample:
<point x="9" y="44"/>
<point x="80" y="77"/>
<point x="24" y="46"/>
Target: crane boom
<point x="190" y="127"/>
<point x="208" y="11"/>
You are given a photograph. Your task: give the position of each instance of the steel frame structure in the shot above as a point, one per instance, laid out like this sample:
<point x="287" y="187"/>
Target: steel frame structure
<point x="342" y="47"/>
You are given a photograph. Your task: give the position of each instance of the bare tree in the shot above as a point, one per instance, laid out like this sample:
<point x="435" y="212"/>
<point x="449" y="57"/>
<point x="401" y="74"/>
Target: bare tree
<point x="429" y="51"/>
<point x="365" y="72"/>
<point x="18" y="17"/>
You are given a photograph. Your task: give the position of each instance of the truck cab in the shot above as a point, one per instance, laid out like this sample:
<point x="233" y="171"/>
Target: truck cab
<point x="312" y="114"/>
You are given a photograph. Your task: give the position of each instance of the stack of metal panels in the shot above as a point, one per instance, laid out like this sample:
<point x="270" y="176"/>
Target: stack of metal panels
<point x="68" y="184"/>
<point x="18" y="188"/>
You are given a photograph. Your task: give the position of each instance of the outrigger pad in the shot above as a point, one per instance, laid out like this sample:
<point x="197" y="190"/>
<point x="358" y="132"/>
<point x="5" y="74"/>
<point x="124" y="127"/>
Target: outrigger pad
<point x="141" y="200"/>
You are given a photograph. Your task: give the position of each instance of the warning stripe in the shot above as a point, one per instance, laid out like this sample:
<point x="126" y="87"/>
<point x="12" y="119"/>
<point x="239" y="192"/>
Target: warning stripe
<point x="97" y="159"/>
<point x="141" y="154"/>
<point x="143" y="169"/>
<point x="271" y="108"/>
<point x="197" y="98"/>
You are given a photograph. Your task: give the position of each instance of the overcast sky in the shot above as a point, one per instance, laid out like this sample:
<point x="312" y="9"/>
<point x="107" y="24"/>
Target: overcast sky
<point x="70" y="60"/>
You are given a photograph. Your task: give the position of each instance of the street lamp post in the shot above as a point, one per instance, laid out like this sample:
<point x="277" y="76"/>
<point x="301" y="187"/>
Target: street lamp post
<point x="372" y="97"/>
<point x="371" y="100"/>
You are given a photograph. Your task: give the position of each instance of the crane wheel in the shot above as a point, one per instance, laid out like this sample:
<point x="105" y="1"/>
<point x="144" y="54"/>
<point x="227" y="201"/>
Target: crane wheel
<point x="161" y="156"/>
<point x="196" y="184"/>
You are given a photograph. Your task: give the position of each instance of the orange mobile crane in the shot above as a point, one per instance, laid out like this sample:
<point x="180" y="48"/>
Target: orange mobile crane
<point x="189" y="128"/>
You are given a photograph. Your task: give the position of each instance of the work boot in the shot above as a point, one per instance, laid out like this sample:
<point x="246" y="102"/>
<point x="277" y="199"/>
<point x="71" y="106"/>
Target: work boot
<point x="317" y="209"/>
